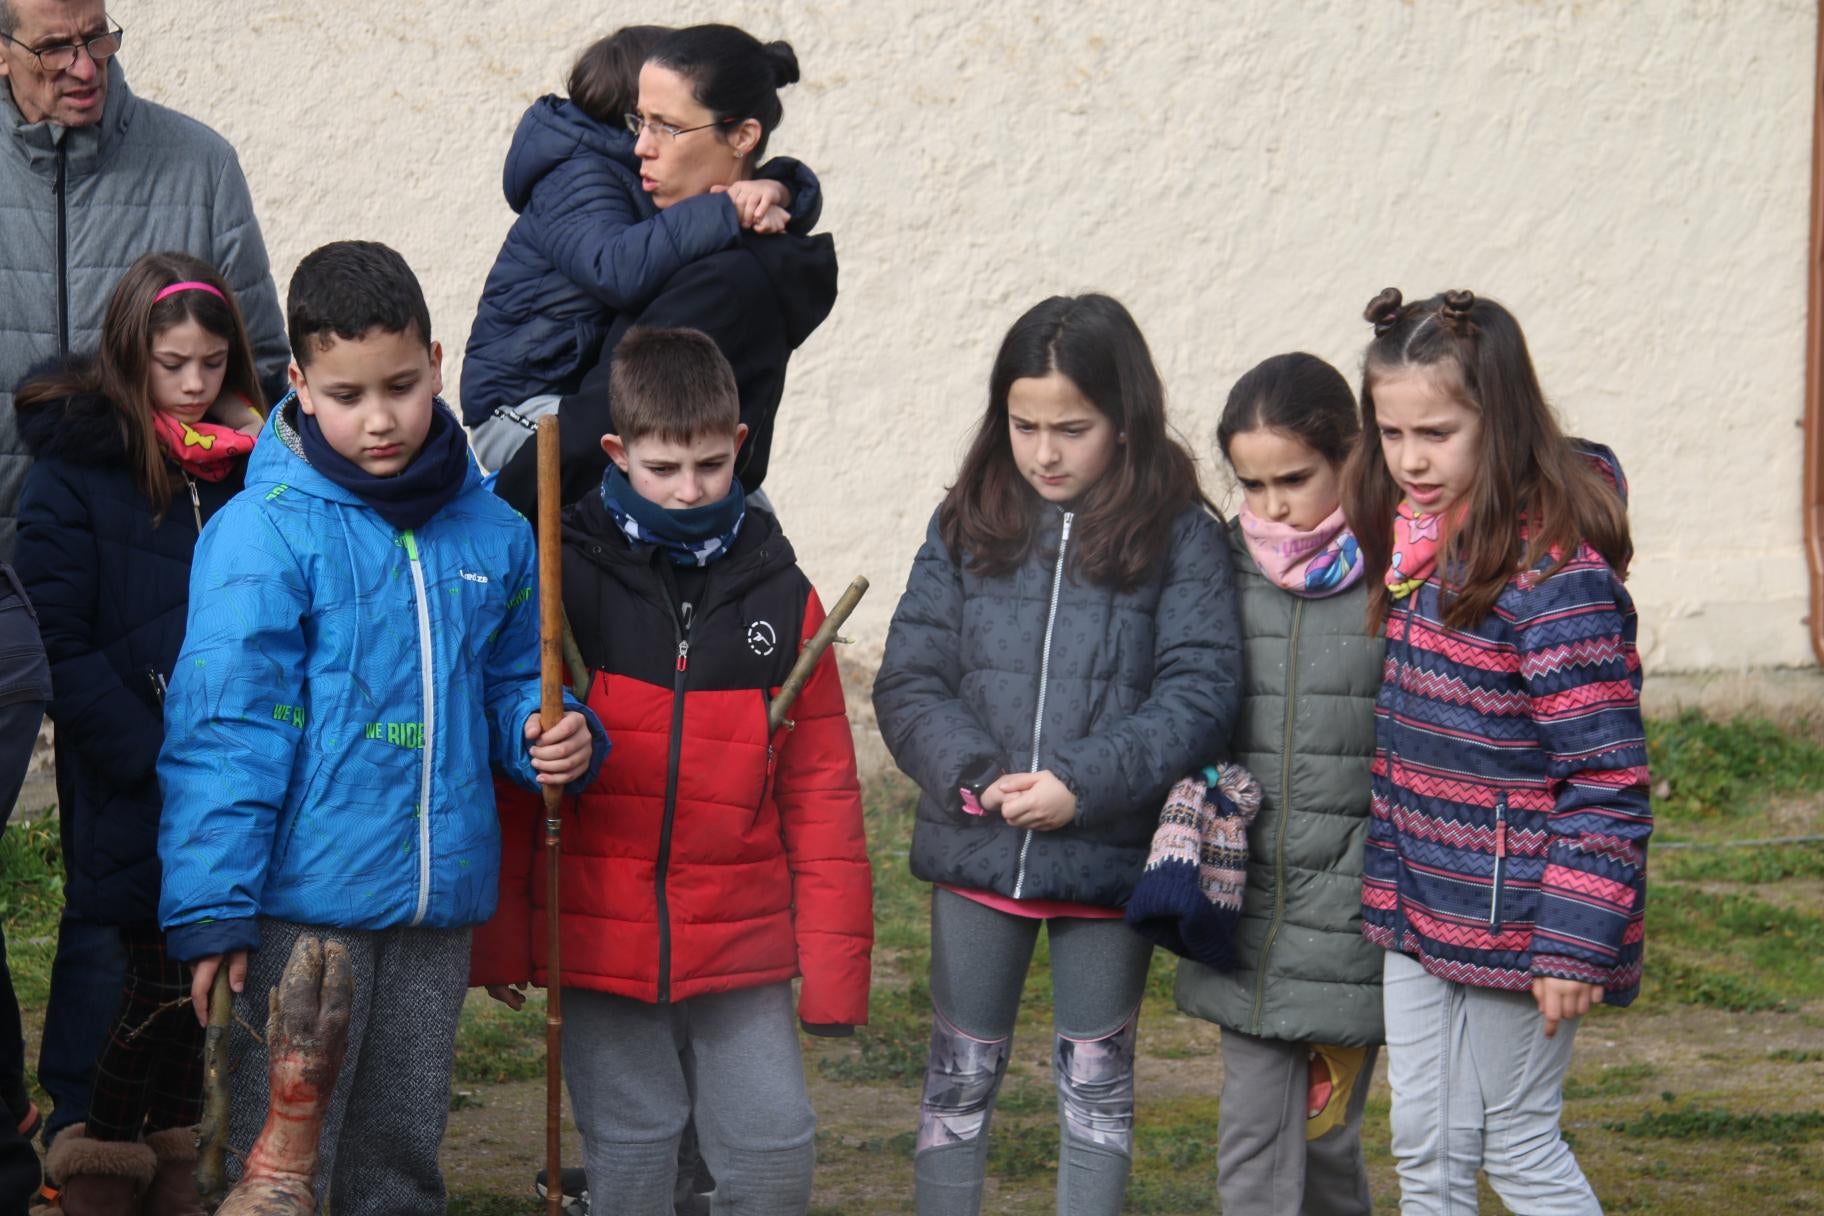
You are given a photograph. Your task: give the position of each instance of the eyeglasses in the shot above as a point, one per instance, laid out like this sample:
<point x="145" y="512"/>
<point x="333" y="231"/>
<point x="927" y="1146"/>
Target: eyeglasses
<point x="665" y="130"/>
<point x="61" y="57"/>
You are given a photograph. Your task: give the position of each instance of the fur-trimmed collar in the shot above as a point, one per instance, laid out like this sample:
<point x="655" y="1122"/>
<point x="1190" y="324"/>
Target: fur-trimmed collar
<point x="83" y="429"/>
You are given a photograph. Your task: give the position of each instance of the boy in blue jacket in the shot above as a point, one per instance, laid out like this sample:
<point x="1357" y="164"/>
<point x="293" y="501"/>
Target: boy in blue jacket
<point x="362" y="645"/>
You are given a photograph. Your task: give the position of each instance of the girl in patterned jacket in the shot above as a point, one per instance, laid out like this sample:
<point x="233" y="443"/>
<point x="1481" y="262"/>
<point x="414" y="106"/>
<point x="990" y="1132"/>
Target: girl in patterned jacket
<point x="1505" y="871"/>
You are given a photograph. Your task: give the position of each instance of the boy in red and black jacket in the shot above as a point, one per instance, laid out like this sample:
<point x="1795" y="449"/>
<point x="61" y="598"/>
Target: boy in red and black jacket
<point x="711" y="862"/>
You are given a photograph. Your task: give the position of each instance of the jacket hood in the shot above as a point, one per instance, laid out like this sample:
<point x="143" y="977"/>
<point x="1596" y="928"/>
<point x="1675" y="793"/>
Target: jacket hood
<point x="1606" y="462"/>
<point x="553" y="131"/>
<point x="278" y="458"/>
<point x="83" y="146"/>
<point x="759" y="552"/>
<point x="803" y="274"/>
<point x="83" y="429"/>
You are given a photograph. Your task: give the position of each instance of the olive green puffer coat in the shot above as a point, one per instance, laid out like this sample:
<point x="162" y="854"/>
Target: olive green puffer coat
<point x="1307" y="732"/>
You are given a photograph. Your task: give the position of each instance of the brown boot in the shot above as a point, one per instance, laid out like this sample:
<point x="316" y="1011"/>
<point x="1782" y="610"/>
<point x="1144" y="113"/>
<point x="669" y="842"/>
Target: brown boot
<point x="173" y="1190"/>
<point x="99" y="1177"/>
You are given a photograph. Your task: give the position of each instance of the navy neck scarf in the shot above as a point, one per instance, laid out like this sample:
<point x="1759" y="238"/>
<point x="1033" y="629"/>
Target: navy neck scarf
<point x="409" y="498"/>
<point x="695" y="537"/>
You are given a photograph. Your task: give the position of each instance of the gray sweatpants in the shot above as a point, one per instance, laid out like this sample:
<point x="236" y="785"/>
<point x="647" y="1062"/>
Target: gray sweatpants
<point x="1264" y="1163"/>
<point x="979" y="960"/>
<point x="377" y="1154"/>
<point x="637" y="1072"/>
<point x="1476" y="1084"/>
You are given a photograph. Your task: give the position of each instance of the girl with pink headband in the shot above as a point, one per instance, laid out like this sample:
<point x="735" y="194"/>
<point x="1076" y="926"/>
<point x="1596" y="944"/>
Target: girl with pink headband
<point x="133" y="449"/>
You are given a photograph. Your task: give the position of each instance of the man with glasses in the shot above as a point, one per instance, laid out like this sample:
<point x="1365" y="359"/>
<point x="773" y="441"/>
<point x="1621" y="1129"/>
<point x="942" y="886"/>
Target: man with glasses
<point x="91" y="177"/>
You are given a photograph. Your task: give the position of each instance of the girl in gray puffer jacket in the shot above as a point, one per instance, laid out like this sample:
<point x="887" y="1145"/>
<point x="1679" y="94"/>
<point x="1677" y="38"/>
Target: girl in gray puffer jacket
<point x="1066" y="649"/>
<point x="1301" y="1014"/>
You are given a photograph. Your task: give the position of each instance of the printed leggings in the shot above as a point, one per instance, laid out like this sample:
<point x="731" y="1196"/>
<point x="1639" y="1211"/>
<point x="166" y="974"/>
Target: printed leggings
<point x="150" y="1074"/>
<point x="979" y="959"/>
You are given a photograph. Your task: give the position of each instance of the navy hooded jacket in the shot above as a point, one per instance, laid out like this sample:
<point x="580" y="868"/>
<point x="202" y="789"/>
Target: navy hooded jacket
<point x="111" y="588"/>
<point x="588" y="245"/>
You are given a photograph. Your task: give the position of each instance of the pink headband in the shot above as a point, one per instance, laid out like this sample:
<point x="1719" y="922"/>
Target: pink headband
<point x="188" y="285"/>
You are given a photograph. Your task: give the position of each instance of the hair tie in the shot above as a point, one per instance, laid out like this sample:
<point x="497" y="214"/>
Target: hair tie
<point x="190" y="285"/>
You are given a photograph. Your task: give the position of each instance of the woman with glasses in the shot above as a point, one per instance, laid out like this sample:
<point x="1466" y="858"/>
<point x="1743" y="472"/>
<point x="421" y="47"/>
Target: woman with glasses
<point x="707" y="103"/>
<point x="590" y="244"/>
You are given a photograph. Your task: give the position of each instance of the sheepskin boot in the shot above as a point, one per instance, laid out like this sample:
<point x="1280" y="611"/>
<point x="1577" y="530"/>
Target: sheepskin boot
<point x="173" y="1190"/>
<point x="99" y="1177"/>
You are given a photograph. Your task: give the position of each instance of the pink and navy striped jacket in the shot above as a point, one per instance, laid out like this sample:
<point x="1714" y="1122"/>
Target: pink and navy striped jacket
<point x="1510" y="811"/>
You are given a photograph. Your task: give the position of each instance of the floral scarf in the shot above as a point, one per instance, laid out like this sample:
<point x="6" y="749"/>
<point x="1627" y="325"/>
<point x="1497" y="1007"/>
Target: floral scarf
<point x="1417" y="538"/>
<point x="206" y="450"/>
<point x="1313" y="564"/>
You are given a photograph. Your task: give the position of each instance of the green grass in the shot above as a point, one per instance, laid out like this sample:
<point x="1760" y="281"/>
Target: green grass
<point x="31" y="900"/>
<point x="496" y="1044"/>
<point x="1709" y="1125"/>
<point x="1727" y="769"/>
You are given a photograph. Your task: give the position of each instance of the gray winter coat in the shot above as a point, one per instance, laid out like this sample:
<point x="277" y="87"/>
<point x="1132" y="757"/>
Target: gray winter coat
<point x="80" y="205"/>
<point x="1118" y="693"/>
<point x="1307" y="732"/>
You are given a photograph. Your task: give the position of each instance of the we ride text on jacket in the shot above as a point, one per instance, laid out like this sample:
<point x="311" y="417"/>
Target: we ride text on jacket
<point x="707" y="856"/>
<point x="341" y="693"/>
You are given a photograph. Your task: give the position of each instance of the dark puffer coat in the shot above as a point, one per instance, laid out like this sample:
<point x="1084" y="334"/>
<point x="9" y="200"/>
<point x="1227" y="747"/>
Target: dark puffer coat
<point x="588" y="244"/>
<point x="1307" y="732"/>
<point x="111" y="588"/>
<point x="1118" y="693"/>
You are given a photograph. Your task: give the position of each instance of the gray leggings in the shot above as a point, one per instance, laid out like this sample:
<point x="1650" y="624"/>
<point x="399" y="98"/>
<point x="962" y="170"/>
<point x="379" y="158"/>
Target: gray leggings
<point x="979" y="959"/>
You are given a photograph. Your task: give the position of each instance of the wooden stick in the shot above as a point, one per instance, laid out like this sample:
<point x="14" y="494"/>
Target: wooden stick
<point x="551" y="631"/>
<point x="212" y="1159"/>
<point x="813" y="650"/>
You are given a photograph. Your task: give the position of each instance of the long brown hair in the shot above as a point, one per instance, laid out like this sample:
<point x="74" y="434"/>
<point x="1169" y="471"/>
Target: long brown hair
<point x="990" y="514"/>
<point x="121" y="369"/>
<point x="1473" y="350"/>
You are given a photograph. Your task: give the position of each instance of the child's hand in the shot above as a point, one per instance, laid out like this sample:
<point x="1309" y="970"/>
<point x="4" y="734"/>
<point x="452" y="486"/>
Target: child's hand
<point x="510" y="995"/>
<point x="773" y="222"/>
<point x="754" y="198"/>
<point x="202" y="979"/>
<point x="561" y="754"/>
<point x="1561" y="1000"/>
<point x="1035" y="800"/>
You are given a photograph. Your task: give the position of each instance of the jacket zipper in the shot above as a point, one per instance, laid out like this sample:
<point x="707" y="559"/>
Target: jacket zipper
<point x="1494" y="891"/>
<point x="430" y="729"/>
<point x="1038" y="717"/>
<point x="196" y="503"/>
<point x="1285" y="814"/>
<point x="674" y="756"/>
<point x="63" y="253"/>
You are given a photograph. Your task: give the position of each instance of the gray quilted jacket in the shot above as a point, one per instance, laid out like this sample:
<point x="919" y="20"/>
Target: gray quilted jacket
<point x="1119" y="693"/>
<point x="78" y="205"/>
<point x="1307" y="732"/>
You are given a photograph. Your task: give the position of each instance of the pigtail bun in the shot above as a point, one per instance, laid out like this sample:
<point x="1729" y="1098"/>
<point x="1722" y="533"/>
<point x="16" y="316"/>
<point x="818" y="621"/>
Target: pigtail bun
<point x="1383" y="312"/>
<point x="1454" y="312"/>
<point x="784" y="61"/>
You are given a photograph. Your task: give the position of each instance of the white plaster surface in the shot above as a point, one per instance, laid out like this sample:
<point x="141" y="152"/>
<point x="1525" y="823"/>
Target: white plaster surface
<point x="1631" y="178"/>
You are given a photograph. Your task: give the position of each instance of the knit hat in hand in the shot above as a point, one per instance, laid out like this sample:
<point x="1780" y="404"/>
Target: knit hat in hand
<point x="1189" y="898"/>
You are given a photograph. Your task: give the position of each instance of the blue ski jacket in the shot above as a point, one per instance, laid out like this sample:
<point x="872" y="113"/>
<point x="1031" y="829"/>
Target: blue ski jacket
<point x="342" y="690"/>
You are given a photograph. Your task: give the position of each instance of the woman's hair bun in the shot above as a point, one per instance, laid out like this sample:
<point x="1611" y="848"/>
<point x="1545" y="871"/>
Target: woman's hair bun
<point x="785" y="63"/>
<point x="1383" y="312"/>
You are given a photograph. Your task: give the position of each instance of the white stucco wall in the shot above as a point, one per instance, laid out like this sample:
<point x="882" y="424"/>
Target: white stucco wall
<point x="1631" y="178"/>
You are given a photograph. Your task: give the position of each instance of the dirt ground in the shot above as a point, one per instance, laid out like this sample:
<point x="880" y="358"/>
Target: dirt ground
<point x="1628" y="1064"/>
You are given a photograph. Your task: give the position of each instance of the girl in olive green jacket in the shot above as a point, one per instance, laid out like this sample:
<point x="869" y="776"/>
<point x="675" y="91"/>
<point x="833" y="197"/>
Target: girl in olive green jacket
<point x="1301" y="1015"/>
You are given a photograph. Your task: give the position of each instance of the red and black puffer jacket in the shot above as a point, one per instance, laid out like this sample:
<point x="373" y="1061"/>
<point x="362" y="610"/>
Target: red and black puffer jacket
<point x="706" y="857"/>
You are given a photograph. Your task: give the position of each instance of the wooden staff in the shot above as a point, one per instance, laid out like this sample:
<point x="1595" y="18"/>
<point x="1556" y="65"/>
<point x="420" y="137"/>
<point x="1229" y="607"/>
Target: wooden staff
<point x="212" y="1161"/>
<point x="813" y="650"/>
<point x="551" y="633"/>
